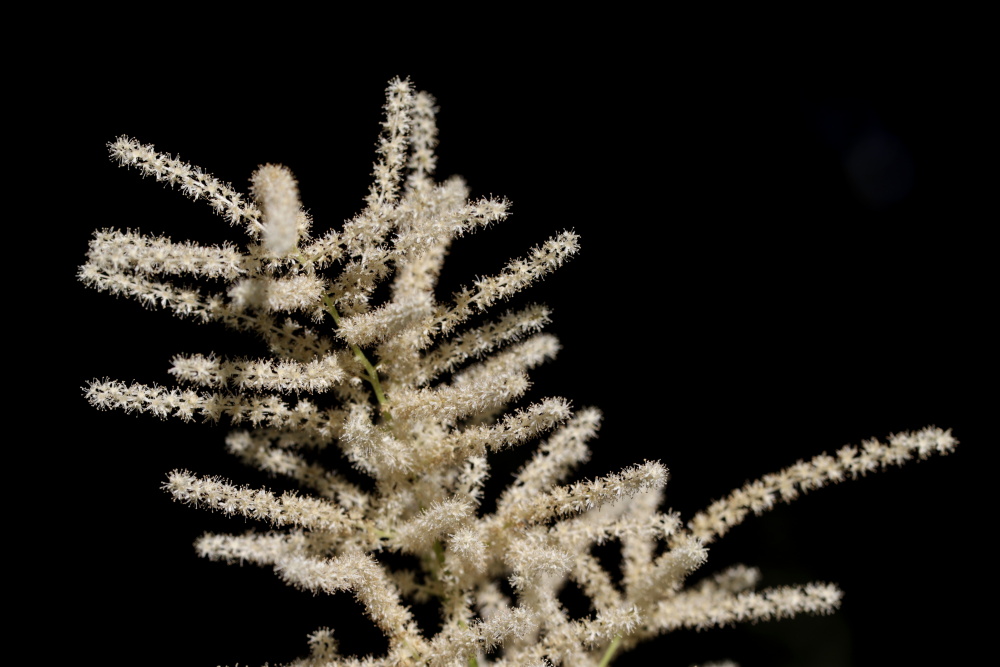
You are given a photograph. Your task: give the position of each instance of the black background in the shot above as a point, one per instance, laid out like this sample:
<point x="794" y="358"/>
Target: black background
<point x="741" y="301"/>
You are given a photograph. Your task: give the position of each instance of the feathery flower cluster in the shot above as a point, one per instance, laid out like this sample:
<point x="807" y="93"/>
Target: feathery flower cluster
<point x="415" y="394"/>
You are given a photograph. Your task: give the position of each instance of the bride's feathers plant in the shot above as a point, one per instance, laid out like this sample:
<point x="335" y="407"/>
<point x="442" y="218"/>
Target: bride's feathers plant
<point x="416" y="393"/>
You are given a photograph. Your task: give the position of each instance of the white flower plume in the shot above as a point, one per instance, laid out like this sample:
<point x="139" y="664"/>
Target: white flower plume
<point x="366" y="364"/>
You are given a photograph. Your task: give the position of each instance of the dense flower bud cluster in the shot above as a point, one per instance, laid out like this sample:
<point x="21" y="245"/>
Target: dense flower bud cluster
<point x="415" y="394"/>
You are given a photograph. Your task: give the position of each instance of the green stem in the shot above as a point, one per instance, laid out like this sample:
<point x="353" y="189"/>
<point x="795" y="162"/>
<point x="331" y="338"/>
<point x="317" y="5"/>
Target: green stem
<point x="473" y="660"/>
<point x="606" y="659"/>
<point x="370" y="373"/>
<point x="439" y="552"/>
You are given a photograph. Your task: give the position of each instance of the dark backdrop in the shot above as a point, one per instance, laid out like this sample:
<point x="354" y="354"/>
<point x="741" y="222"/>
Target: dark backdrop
<point x="776" y="262"/>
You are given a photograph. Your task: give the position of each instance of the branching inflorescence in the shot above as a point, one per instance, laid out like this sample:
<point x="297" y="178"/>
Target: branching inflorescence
<point x="415" y="394"/>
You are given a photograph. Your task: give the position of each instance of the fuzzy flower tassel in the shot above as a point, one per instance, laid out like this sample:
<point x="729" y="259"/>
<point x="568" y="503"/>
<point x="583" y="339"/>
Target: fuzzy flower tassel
<point x="371" y="374"/>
